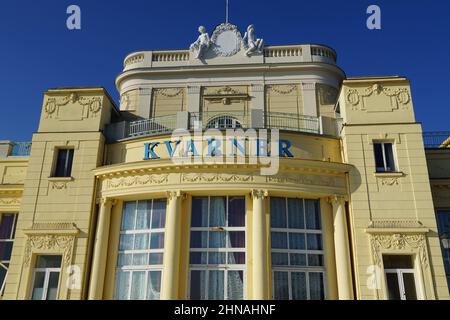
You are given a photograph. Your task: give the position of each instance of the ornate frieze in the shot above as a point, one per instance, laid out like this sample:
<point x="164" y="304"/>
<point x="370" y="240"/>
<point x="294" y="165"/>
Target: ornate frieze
<point x="137" y="180"/>
<point x="49" y="243"/>
<point x="91" y="105"/>
<point x="215" y="177"/>
<point x="10" y="201"/>
<point x="318" y="180"/>
<point x="283" y="89"/>
<point x="398" y="97"/>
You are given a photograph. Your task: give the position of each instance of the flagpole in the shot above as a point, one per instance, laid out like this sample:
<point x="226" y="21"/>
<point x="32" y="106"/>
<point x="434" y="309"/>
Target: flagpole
<point x="226" y="14"/>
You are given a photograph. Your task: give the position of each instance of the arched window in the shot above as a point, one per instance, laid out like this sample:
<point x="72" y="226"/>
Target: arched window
<point x="223" y="122"/>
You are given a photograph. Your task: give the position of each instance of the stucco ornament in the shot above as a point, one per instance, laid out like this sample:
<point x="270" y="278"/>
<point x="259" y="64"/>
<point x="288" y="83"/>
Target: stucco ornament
<point x="253" y="45"/>
<point x="202" y="44"/>
<point x="227" y="40"/>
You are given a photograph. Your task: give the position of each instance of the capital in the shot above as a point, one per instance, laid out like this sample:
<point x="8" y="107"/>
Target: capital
<point x="173" y="195"/>
<point x="336" y="200"/>
<point x="260" y="194"/>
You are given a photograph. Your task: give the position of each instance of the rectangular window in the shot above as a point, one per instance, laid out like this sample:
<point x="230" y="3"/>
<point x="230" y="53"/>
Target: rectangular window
<point x="443" y="222"/>
<point x="141" y="249"/>
<point x="46" y="278"/>
<point x="297" y="249"/>
<point x="217" y="254"/>
<point x="384" y="157"/>
<point x="400" y="277"/>
<point x="8" y="223"/>
<point x="64" y="163"/>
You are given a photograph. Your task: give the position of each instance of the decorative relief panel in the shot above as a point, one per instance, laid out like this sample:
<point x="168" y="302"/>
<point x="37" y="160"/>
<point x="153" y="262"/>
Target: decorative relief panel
<point x="285" y="98"/>
<point x="383" y="243"/>
<point x="49" y="243"/>
<point x="305" y="179"/>
<point x="235" y="97"/>
<point x="14" y="175"/>
<point x="10" y="201"/>
<point x="129" y="100"/>
<point x="168" y="101"/>
<point x="57" y="108"/>
<point x="378" y="98"/>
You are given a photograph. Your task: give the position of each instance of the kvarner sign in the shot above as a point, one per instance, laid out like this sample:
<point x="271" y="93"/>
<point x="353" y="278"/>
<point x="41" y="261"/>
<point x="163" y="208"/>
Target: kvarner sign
<point x="230" y="147"/>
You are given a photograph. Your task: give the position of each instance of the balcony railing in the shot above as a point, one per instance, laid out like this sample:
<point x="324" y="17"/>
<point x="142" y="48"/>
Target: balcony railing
<point x="436" y="140"/>
<point x="153" y="126"/>
<point x="293" y="122"/>
<point x="219" y="120"/>
<point x="21" y="149"/>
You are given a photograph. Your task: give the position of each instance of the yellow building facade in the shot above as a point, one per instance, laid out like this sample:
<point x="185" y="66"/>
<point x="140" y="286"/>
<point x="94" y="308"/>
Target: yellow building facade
<point x="228" y="171"/>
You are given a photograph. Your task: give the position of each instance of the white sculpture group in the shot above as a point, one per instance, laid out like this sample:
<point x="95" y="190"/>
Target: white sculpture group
<point x="250" y="43"/>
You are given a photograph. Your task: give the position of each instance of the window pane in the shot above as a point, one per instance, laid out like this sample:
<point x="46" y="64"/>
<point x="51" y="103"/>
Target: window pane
<point x="38" y="286"/>
<point x="315" y="260"/>
<point x="53" y="286"/>
<point x="197" y="287"/>
<point x="143" y="215"/>
<point x="68" y="172"/>
<point x="280" y="286"/>
<point x="216" y="258"/>
<point x="295" y="213"/>
<point x="278" y="213"/>
<point x="279" y="259"/>
<point x="128" y="216"/>
<point x="314" y="241"/>
<point x="279" y="240"/>
<point x="217" y="239"/>
<point x="236" y="212"/>
<point x="393" y="286"/>
<point x="312" y="215"/>
<point x="235" y="285"/>
<point x="3" y="271"/>
<point x="389" y="153"/>
<point x="199" y="216"/>
<point x="122" y="285"/>
<point x="298" y="259"/>
<point x="48" y="262"/>
<point x="140" y="241"/>
<point x="6" y="226"/>
<point x="217" y="213"/>
<point x="5" y="250"/>
<point x="316" y="287"/>
<point x="297" y="241"/>
<point x="155" y="258"/>
<point x="236" y="258"/>
<point x="140" y="259"/>
<point x="237" y="239"/>
<point x="126" y="242"/>
<point x="298" y="282"/>
<point x="138" y="285"/>
<point x="199" y="239"/>
<point x="198" y="258"/>
<point x="154" y="285"/>
<point x="159" y="214"/>
<point x="157" y="241"/>
<point x="216" y="285"/>
<point x="60" y="170"/>
<point x="410" y="286"/>
<point x="398" y="261"/>
<point x="124" y="260"/>
<point x="379" y="163"/>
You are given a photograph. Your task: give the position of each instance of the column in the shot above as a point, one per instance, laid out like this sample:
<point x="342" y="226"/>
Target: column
<point x="100" y="250"/>
<point x="342" y="249"/>
<point x="171" y="260"/>
<point x="259" y="245"/>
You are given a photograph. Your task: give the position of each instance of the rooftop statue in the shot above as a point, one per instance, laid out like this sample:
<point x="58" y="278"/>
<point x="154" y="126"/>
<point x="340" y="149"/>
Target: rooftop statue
<point x="254" y="45"/>
<point x="202" y="44"/>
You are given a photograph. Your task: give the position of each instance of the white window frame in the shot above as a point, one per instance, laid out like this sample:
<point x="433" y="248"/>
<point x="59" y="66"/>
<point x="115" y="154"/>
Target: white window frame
<point x="219" y="267"/>
<point x="10" y="239"/>
<point x="294" y="268"/>
<point x="141" y="268"/>
<point x="383" y="151"/>
<point x="47" y="272"/>
<point x="401" y="285"/>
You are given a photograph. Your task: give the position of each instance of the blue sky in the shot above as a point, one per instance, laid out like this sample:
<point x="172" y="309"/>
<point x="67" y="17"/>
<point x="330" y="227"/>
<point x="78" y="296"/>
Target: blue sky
<point x="39" y="52"/>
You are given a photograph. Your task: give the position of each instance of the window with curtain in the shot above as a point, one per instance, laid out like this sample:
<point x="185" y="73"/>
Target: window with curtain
<point x="141" y="248"/>
<point x="8" y="223"/>
<point x="298" y="271"/>
<point x="217" y="248"/>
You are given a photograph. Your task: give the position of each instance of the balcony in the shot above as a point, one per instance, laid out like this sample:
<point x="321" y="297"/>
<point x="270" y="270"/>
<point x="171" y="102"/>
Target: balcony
<point x="14" y="149"/>
<point x="222" y="120"/>
<point x="271" y="54"/>
<point x="436" y="140"/>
